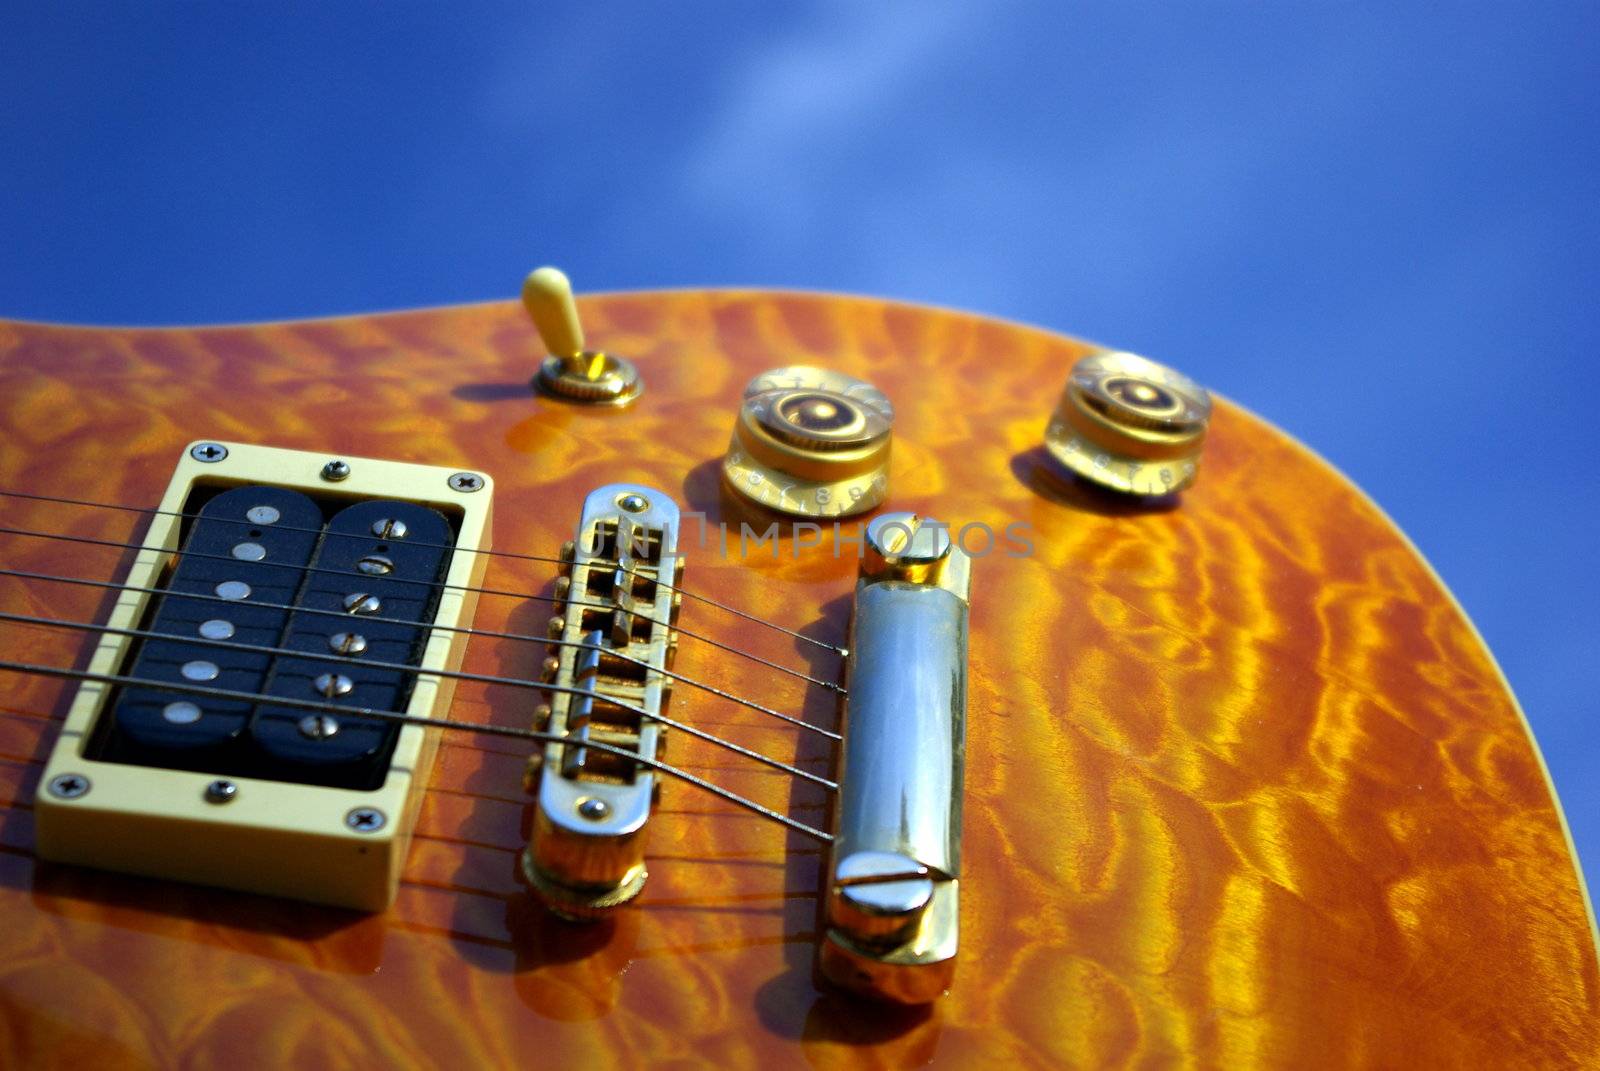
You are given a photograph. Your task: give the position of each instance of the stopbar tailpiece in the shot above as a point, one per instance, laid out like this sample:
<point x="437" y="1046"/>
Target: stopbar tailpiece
<point x="895" y="863"/>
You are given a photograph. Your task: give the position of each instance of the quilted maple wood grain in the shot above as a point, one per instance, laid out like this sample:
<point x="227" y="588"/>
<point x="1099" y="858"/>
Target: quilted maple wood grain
<point x="1243" y="786"/>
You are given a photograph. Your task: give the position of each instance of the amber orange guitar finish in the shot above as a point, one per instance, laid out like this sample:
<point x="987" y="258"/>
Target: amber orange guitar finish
<point x="1243" y="786"/>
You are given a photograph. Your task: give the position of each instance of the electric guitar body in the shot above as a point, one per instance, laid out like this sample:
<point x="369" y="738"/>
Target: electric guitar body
<point x="1243" y="786"/>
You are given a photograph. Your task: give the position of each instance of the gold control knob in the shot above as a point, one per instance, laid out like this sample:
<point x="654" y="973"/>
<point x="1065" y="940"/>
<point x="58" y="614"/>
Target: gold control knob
<point x="1130" y="424"/>
<point x="811" y="442"/>
<point x="572" y="372"/>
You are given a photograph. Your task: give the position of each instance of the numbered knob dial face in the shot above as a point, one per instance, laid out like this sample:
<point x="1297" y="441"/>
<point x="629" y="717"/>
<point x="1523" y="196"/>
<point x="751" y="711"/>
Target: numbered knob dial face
<point x="811" y="442"/>
<point x="1129" y="424"/>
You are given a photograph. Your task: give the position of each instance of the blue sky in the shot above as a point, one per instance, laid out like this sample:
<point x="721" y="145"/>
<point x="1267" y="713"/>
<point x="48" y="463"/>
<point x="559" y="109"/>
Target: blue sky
<point x="1375" y="224"/>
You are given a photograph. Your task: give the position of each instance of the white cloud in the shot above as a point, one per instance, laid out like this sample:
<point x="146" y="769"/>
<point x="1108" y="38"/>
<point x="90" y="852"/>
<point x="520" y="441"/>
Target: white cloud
<point x="804" y="104"/>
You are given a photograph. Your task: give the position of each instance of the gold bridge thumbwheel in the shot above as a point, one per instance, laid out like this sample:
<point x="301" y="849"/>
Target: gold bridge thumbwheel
<point x="571" y="372"/>
<point x="1129" y="424"/>
<point x="811" y="442"/>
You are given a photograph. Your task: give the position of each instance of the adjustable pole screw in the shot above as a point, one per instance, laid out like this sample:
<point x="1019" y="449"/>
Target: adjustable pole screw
<point x="375" y="565"/>
<point x="331" y="686"/>
<point x="318" y="726"/>
<point x="359" y="602"/>
<point x="389" y="528"/>
<point x="347" y="643"/>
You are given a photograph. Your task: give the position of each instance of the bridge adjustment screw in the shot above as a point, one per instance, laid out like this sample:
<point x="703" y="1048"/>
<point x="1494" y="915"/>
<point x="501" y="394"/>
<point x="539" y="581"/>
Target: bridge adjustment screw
<point x="906" y="546"/>
<point x="879" y="895"/>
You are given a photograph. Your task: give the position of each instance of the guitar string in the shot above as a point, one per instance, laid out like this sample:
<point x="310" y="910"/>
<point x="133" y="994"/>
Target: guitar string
<point x="511" y="554"/>
<point x="64" y="673"/>
<point x="477" y="678"/>
<point x="519" y="637"/>
<point x="430" y="584"/>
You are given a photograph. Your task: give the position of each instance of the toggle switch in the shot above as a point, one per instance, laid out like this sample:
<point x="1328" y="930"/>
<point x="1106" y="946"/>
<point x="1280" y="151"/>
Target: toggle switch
<point x="572" y="372"/>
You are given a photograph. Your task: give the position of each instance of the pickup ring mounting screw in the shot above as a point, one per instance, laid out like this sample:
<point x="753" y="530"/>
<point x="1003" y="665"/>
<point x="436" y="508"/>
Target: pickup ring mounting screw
<point x="336" y="470"/>
<point x="69" y="786"/>
<point x="209" y="453"/>
<point x="221" y="791"/>
<point x="466" y="482"/>
<point x="365" y="819"/>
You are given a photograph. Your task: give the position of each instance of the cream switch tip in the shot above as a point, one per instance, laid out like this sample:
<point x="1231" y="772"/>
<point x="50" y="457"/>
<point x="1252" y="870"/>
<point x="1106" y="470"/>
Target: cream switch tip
<point x="547" y="295"/>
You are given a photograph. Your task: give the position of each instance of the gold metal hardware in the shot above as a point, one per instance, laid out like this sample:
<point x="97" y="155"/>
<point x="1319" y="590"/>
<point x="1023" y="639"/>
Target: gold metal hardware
<point x="587" y="850"/>
<point x="811" y="442"/>
<point x="895" y="863"/>
<point x="572" y="372"/>
<point x="1130" y="424"/>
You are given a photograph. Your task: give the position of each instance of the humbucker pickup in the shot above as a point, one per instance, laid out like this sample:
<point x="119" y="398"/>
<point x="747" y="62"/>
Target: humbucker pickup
<point x="618" y="604"/>
<point x="274" y="590"/>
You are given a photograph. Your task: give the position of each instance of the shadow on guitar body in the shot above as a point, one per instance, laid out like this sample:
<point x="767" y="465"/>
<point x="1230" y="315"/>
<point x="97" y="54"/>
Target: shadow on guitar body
<point x="352" y="941"/>
<point x="799" y="1004"/>
<point x="346" y="941"/>
<point x="1039" y="473"/>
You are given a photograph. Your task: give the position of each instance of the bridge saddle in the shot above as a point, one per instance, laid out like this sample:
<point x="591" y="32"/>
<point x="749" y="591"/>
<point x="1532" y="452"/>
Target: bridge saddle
<point x="615" y="634"/>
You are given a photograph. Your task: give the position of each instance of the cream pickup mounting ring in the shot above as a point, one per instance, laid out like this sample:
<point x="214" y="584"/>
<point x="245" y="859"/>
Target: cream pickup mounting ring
<point x="260" y="590"/>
